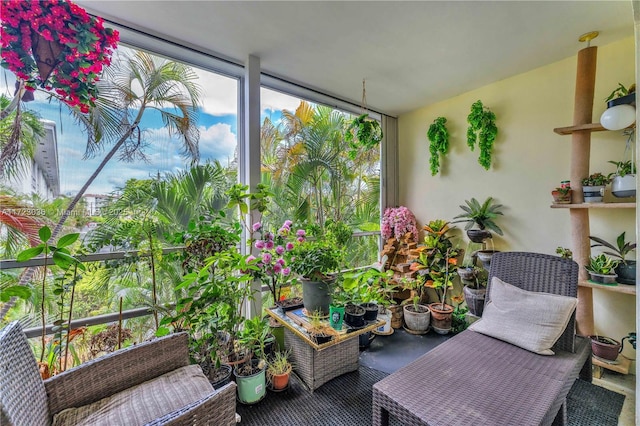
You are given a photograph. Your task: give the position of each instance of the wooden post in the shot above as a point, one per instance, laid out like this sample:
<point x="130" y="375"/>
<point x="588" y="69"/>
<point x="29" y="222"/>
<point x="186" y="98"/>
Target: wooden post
<point x="580" y="152"/>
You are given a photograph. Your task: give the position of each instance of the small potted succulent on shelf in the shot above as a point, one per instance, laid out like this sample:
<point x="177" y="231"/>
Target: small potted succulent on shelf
<point x="623" y="181"/>
<point x="562" y="195"/>
<point x="626" y="269"/>
<point x="601" y="269"/>
<point x="593" y="187"/>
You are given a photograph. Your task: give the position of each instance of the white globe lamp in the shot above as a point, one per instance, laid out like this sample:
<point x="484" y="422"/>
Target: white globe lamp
<point x="618" y="117"/>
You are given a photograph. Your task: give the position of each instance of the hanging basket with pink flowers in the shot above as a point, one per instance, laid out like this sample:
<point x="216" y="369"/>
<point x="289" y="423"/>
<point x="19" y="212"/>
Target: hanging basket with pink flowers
<point x="57" y="45"/>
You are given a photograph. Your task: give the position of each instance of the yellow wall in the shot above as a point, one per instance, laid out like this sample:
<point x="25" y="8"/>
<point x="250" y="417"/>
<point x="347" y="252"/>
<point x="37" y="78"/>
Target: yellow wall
<point x="529" y="160"/>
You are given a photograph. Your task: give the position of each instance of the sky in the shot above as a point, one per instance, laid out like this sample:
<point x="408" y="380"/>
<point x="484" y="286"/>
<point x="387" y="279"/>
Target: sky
<point x="217" y="124"/>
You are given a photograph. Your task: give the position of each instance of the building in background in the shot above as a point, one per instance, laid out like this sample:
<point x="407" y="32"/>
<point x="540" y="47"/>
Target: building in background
<point x="43" y="175"/>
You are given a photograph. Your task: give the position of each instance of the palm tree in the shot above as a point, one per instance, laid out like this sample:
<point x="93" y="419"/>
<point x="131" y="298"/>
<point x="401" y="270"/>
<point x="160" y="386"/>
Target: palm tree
<point x="129" y="88"/>
<point x="19" y="134"/>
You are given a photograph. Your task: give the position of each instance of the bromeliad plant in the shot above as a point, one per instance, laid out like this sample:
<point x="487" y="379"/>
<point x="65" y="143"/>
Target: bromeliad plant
<point x="482" y="215"/>
<point x="58" y="45"/>
<point x="601" y="264"/>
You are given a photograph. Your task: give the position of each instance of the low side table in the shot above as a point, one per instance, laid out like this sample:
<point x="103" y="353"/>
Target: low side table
<point x="317" y="364"/>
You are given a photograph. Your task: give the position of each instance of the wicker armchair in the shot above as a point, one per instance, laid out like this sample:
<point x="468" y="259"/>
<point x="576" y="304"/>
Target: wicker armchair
<point x="25" y="399"/>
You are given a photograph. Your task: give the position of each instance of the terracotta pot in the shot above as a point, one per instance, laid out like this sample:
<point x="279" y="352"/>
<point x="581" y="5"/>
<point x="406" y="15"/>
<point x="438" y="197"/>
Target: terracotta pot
<point x="280" y="381"/>
<point x="559" y="198"/>
<point x="441" y="317"/>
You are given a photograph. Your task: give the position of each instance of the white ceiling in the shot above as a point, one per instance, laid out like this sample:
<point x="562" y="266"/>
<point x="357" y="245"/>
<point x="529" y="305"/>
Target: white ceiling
<point x="410" y="53"/>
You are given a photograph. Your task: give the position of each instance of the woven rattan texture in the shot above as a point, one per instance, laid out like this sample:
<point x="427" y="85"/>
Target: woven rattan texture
<point x="346" y="401"/>
<point x="115" y="372"/>
<point x="502" y="384"/>
<point x="20" y="380"/>
<point x="542" y="273"/>
<point x="318" y="367"/>
<point x="22" y="400"/>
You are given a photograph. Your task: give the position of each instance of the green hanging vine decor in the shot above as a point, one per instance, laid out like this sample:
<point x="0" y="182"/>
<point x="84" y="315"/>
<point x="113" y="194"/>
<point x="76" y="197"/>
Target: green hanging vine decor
<point x="483" y="130"/>
<point x="363" y="132"/>
<point x="438" y="136"/>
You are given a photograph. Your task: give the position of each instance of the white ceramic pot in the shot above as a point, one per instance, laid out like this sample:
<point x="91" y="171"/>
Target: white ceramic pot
<point x="624" y="186"/>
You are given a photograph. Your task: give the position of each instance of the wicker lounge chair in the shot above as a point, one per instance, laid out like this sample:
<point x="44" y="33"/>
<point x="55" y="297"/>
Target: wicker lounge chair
<point x="474" y="379"/>
<point x="154" y="379"/>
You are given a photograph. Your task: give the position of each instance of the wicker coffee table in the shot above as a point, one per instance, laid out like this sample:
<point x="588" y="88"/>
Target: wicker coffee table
<point x="317" y="364"/>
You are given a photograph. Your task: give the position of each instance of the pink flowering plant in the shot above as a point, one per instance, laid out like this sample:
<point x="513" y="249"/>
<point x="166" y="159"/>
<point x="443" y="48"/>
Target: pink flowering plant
<point x="273" y="250"/>
<point x="398" y="221"/>
<point x="82" y="44"/>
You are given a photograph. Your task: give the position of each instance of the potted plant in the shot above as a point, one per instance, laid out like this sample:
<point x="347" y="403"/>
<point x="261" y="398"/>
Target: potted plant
<point x="483" y="130"/>
<point x="210" y="309"/>
<point x="251" y="375"/>
<point x="593" y="187"/>
<point x="316" y="261"/>
<point x="58" y="46"/>
<point x="319" y="330"/>
<point x="621" y="95"/>
<point x="438" y="136"/>
<point x="626" y="269"/>
<point x="398" y="222"/>
<point x="417" y="317"/>
<point x="439" y="258"/>
<point x="623" y="181"/>
<point x="605" y="347"/>
<point x="562" y="195"/>
<point x="279" y="370"/>
<point x="363" y="133"/>
<point x="474" y="290"/>
<point x="482" y="216"/>
<point x="564" y="252"/>
<point x="601" y="269"/>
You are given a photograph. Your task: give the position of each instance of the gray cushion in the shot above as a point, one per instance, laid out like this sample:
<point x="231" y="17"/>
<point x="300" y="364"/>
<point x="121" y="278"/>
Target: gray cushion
<point x="531" y="320"/>
<point x="143" y="403"/>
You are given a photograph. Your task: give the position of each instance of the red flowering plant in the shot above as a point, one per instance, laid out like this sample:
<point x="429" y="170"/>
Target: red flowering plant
<point x="273" y="249"/>
<point x="77" y="45"/>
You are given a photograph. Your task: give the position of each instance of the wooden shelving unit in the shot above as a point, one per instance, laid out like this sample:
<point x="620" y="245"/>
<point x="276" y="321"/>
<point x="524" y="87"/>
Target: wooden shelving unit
<point x="623" y="365"/>
<point x="580" y="133"/>
<point x="591" y="127"/>
<point x="615" y="288"/>
<point x="595" y="206"/>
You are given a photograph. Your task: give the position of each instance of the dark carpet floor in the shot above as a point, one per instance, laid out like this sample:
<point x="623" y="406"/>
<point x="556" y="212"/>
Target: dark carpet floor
<point x="346" y="400"/>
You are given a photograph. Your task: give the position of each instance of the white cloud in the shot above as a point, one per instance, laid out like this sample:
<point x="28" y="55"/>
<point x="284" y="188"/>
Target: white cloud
<point x="217" y="142"/>
<point x="219" y="93"/>
<point x="276" y="101"/>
